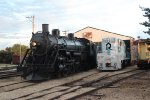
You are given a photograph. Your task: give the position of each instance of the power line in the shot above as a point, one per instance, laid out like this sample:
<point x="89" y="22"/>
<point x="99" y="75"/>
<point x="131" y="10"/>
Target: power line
<point x="65" y="32"/>
<point x="31" y="19"/>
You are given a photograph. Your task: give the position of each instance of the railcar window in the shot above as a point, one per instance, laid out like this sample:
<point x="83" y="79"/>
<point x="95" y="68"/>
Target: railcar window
<point x="99" y="48"/>
<point x="120" y="43"/>
<point x="113" y="40"/>
<point x="119" y="48"/>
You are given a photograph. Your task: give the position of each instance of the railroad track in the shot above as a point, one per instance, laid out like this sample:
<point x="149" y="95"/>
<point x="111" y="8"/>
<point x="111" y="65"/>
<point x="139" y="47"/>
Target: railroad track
<point x="103" y="82"/>
<point x="17" y="92"/>
<point x="7" y="68"/>
<point x="69" y="87"/>
<point x="9" y="72"/>
<point x="6" y="73"/>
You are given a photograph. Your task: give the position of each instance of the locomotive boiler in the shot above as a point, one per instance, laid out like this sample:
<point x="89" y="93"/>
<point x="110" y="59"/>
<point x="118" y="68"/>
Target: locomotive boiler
<point x="51" y="55"/>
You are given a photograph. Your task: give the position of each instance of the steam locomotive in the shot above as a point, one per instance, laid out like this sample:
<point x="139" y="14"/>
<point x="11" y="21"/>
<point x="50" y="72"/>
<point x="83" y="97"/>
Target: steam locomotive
<point x="51" y="55"/>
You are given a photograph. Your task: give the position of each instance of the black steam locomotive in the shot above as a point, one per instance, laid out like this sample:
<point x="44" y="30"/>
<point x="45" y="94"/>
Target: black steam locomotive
<point x="51" y="55"/>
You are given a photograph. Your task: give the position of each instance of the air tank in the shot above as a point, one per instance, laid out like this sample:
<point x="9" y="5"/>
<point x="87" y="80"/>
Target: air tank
<point x="55" y="32"/>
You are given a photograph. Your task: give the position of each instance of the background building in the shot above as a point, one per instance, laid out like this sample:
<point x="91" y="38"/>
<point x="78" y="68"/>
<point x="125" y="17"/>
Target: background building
<point x="96" y="35"/>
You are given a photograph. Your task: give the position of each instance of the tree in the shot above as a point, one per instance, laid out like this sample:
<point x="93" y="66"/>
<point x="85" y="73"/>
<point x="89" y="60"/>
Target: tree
<point x="5" y="56"/>
<point x="17" y="48"/>
<point x="146" y="23"/>
<point x="147" y="41"/>
<point x="8" y="49"/>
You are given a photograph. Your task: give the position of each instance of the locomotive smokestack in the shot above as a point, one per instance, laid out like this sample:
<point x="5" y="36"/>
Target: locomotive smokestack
<point x="45" y="28"/>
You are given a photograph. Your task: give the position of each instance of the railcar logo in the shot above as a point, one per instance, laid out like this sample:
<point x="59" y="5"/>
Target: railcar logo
<point x="108" y="48"/>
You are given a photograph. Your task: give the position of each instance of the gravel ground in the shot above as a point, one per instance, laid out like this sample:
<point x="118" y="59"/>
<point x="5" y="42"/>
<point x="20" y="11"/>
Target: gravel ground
<point x="134" y="88"/>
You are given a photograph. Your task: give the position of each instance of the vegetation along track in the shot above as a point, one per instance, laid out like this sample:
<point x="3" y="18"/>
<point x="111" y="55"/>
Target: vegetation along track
<point x="69" y="87"/>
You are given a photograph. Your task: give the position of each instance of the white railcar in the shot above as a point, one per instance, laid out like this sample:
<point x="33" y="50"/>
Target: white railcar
<point x="111" y="54"/>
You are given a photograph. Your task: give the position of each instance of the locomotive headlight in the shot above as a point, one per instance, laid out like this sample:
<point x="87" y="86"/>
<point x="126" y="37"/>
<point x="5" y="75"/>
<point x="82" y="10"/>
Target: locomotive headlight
<point x="33" y="43"/>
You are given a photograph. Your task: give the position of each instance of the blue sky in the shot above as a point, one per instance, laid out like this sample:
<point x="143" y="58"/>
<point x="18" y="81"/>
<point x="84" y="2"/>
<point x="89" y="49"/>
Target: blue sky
<point x="119" y="16"/>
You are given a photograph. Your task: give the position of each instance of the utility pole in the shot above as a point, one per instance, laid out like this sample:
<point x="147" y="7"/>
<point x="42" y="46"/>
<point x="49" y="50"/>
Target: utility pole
<point x="31" y="19"/>
<point x="65" y="32"/>
<point x="20" y="53"/>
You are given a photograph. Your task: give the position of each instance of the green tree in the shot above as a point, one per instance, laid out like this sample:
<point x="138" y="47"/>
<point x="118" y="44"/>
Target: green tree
<point x="17" y="48"/>
<point x="5" y="56"/>
<point x="8" y="49"/>
<point x="146" y="23"/>
<point x="147" y="15"/>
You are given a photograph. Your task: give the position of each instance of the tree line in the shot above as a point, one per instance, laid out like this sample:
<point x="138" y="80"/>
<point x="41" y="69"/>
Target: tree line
<point x="7" y="54"/>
